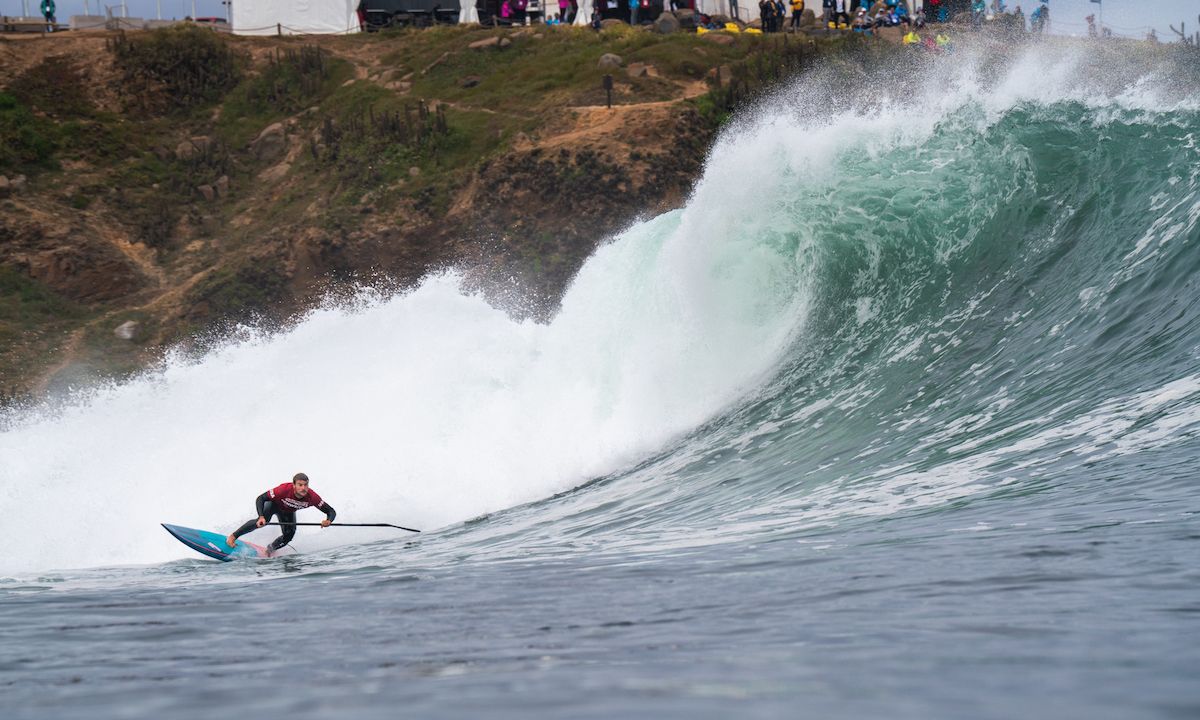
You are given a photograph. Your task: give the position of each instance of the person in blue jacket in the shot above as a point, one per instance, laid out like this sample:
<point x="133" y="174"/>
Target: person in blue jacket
<point x="48" y="11"/>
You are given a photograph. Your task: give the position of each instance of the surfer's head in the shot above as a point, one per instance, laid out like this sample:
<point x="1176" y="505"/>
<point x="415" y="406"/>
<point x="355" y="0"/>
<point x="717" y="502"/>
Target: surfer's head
<point x="300" y="483"/>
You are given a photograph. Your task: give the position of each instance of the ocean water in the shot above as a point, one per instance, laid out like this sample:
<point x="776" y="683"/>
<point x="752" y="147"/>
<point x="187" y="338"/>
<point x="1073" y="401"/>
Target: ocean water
<point x="898" y="417"/>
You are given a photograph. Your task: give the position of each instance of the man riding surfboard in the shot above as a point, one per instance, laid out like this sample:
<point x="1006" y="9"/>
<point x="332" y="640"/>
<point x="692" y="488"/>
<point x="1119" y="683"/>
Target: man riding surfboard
<point x="284" y="501"/>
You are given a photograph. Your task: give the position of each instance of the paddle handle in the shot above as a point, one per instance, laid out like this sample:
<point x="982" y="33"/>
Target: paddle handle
<point x="398" y="527"/>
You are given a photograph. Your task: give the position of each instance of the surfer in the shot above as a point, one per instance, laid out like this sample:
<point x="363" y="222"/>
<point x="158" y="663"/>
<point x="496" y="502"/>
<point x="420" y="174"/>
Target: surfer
<point x="284" y="501"/>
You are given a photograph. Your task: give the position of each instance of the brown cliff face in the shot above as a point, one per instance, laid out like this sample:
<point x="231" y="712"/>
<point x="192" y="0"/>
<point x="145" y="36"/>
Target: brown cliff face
<point x="70" y="260"/>
<point x="169" y="207"/>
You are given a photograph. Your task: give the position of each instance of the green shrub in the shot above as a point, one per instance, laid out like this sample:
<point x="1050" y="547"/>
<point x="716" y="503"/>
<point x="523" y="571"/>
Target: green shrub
<point x="25" y="140"/>
<point x="174" y="69"/>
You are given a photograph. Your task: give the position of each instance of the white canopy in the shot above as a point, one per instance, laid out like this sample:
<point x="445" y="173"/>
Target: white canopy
<point x="294" y="17"/>
<point x="467" y="12"/>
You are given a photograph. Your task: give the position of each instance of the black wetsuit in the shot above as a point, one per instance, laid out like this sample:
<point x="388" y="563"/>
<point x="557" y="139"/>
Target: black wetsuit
<point x="266" y="508"/>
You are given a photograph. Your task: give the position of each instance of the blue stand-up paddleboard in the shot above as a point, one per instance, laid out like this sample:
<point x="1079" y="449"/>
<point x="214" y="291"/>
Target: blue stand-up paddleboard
<point x="213" y="544"/>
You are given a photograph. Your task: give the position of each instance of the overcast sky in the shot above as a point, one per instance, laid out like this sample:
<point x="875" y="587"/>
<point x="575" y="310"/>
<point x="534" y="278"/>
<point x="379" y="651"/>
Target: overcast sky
<point x="1131" y="18"/>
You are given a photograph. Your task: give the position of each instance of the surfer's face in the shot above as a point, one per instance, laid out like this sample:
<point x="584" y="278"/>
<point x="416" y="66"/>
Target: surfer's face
<point x="301" y="487"/>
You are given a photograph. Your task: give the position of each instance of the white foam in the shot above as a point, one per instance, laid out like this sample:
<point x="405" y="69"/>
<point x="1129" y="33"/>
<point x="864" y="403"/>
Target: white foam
<point x="424" y="409"/>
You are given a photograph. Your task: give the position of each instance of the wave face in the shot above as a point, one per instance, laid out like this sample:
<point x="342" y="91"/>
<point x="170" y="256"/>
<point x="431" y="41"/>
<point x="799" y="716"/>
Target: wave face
<point x="969" y="289"/>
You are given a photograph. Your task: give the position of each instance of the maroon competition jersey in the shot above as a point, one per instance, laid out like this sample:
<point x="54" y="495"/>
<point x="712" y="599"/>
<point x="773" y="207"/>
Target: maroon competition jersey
<point x="285" y="499"/>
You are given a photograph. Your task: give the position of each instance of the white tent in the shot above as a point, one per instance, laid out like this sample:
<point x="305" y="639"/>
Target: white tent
<point x="467" y="12"/>
<point x="294" y="17"/>
<point x="584" y="16"/>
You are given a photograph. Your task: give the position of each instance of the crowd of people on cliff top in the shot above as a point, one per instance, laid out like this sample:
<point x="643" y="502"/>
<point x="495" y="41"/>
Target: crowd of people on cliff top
<point x="861" y="16"/>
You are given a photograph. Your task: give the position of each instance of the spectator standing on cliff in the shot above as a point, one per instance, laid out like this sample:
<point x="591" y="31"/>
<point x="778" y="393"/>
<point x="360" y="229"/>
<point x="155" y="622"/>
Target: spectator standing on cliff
<point x="506" y="12"/>
<point x="797" y="14"/>
<point x="633" y="12"/>
<point x="564" y="10"/>
<point x="597" y="18"/>
<point x="827" y="12"/>
<point x="1037" y="19"/>
<point x="48" y="11"/>
<point x="842" y="9"/>
<point x="520" y="11"/>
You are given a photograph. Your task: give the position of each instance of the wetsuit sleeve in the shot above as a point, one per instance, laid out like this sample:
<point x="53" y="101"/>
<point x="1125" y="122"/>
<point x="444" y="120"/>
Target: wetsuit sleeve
<point x="330" y="513"/>
<point x="260" y="503"/>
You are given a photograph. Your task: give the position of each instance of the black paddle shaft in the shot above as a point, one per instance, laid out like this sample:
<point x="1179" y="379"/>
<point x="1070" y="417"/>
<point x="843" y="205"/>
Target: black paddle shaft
<point x="398" y="527"/>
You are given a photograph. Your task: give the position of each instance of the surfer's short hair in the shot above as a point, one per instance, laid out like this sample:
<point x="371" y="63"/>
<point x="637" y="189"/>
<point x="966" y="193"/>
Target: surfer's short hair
<point x="298" y="477"/>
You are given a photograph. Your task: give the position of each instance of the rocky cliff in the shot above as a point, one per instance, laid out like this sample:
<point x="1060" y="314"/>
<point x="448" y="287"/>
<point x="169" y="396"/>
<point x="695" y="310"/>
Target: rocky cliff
<point x="156" y="187"/>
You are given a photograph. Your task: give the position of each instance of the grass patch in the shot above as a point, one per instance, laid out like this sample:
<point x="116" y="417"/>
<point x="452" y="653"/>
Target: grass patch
<point x="33" y="320"/>
<point x="155" y="192"/>
<point x="25" y="302"/>
<point x="238" y="293"/>
<point x="173" y="70"/>
<point x="292" y="80"/>
<point x="375" y="137"/>
<point x="55" y="88"/>
<point x="26" y="141"/>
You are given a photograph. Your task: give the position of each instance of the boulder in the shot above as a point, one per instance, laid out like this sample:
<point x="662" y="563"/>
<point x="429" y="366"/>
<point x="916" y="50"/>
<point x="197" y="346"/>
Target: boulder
<point x="192" y="147"/>
<point x="808" y="18"/>
<point x="270" y="143"/>
<point x="609" y="61"/>
<point x="719" y="38"/>
<point x="688" y="20"/>
<point x="222" y="186"/>
<point x="127" y="330"/>
<point x="667" y="24"/>
<point x="470" y="81"/>
<point x="641" y="70"/>
<point x="612" y="23"/>
<point x="491" y="42"/>
<point x="207" y="192"/>
<point x="17" y="184"/>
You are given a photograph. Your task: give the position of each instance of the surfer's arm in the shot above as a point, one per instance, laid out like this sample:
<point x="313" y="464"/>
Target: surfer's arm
<point x="330" y="513"/>
<point x="261" y="502"/>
